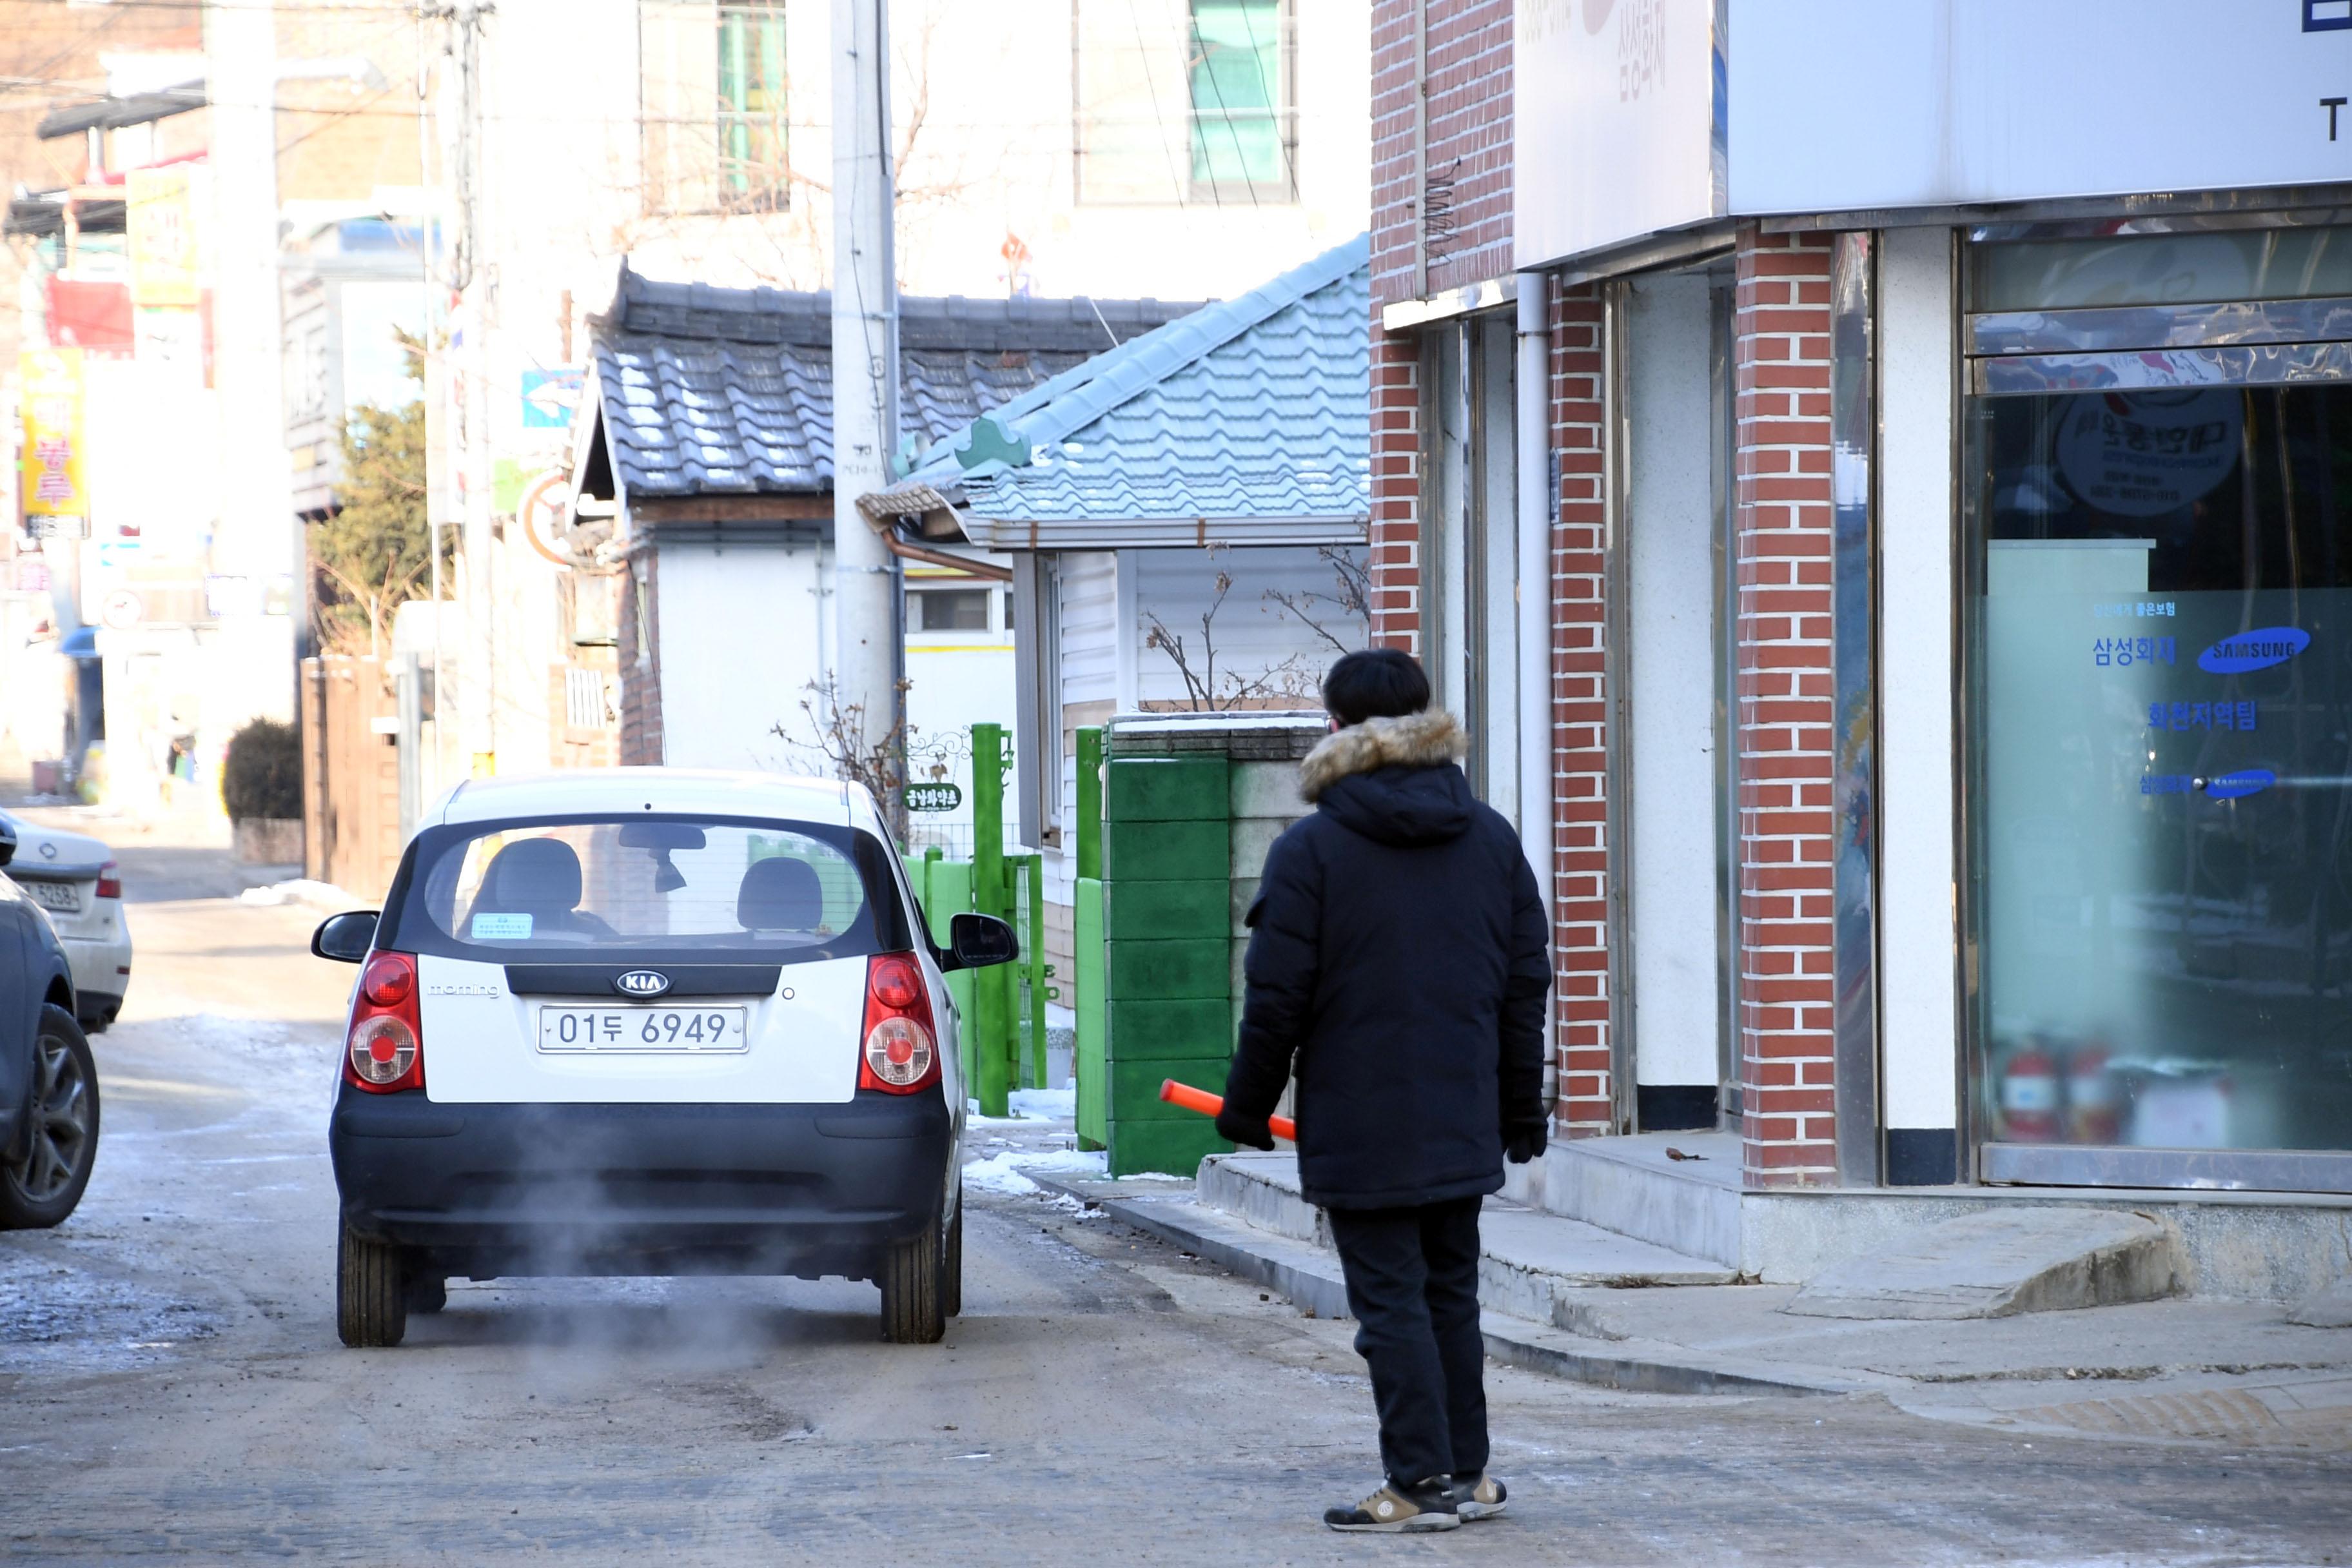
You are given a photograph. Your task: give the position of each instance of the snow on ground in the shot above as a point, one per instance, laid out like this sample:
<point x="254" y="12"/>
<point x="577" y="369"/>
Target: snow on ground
<point x="1044" y="1104"/>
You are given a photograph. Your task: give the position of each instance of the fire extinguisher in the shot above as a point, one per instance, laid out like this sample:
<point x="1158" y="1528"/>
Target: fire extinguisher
<point x="2029" y="1099"/>
<point x="2092" y="1112"/>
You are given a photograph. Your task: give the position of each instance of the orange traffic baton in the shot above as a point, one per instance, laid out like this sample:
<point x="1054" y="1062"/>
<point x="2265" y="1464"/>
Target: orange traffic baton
<point x="1208" y="1104"/>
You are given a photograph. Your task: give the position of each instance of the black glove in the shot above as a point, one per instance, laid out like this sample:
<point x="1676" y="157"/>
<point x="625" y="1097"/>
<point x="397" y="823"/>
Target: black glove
<point x="1522" y="1141"/>
<point x="1240" y="1127"/>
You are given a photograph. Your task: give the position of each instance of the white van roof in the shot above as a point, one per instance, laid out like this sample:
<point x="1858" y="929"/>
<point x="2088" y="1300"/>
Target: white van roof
<point x="699" y="792"/>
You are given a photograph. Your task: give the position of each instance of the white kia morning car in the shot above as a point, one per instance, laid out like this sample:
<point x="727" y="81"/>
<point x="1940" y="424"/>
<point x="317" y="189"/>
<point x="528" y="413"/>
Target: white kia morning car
<point x="650" y="1021"/>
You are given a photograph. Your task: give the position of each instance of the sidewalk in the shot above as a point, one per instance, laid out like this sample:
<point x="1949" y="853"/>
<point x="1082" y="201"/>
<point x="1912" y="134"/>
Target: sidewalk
<point x="1572" y="1299"/>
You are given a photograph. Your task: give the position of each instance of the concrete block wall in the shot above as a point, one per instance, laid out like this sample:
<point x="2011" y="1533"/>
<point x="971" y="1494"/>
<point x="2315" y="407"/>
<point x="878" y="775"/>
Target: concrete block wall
<point x="1192" y="803"/>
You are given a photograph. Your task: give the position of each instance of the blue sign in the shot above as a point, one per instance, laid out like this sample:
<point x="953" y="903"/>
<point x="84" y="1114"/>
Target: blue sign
<point x="2252" y="650"/>
<point x="2202" y="715"/>
<point x="550" y="397"/>
<point x="2220" y="786"/>
<point x="2128" y="651"/>
<point x="2245" y="781"/>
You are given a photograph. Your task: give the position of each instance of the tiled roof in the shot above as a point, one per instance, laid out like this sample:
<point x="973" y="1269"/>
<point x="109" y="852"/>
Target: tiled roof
<point x="1259" y="406"/>
<point x="729" y="391"/>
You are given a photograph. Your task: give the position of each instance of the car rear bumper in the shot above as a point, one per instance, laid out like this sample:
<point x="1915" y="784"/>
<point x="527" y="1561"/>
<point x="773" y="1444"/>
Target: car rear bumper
<point x="101" y="973"/>
<point x="496" y="1190"/>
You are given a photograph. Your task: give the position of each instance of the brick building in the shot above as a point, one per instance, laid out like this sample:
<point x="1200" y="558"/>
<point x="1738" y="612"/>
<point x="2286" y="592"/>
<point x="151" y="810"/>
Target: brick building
<point x="1758" y="428"/>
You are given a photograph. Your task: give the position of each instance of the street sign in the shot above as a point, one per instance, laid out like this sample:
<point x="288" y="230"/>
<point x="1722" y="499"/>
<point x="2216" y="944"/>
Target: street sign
<point x="934" y="796"/>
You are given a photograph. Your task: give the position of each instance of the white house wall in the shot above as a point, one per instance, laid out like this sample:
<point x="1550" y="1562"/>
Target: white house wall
<point x="740" y="635"/>
<point x="1254" y="639"/>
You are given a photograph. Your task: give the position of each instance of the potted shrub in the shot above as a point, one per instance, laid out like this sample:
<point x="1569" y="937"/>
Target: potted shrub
<point x="261" y="784"/>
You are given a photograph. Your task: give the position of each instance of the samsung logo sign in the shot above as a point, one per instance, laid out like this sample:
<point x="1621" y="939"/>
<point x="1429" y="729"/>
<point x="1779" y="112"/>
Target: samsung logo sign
<point x="2254" y="650"/>
<point x="646" y="983"/>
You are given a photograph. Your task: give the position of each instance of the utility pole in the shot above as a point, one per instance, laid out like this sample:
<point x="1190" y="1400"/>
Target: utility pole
<point x="867" y="603"/>
<point x="257" y="535"/>
<point x="471" y="286"/>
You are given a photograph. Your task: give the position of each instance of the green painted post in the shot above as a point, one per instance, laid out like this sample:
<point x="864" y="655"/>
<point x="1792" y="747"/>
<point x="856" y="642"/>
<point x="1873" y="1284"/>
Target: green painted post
<point x="1037" y="973"/>
<point x="1087" y="1062"/>
<point x="1093" y="1016"/>
<point x="1090" y="802"/>
<point x="992" y="989"/>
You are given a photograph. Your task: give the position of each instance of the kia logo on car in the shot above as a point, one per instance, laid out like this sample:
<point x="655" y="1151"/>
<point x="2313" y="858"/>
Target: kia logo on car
<point x="2245" y="651"/>
<point x="646" y="983"/>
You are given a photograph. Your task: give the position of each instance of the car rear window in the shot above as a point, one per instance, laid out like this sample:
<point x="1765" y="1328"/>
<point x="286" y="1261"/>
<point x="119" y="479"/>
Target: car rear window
<point x="645" y="886"/>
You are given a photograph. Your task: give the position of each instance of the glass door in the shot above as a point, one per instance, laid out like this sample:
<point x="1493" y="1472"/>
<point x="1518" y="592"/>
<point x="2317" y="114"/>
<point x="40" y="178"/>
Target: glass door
<point x="2160" y="756"/>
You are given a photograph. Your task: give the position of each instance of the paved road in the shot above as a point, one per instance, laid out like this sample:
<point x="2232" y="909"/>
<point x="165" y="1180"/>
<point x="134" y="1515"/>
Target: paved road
<point x="170" y="1386"/>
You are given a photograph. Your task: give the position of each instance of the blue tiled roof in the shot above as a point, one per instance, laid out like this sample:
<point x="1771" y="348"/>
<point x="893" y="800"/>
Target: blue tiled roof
<point x="1259" y="406"/>
<point x="729" y="391"/>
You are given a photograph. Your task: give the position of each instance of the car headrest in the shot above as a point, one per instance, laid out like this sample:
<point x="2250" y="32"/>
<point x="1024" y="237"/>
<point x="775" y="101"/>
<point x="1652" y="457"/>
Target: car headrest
<point x="534" y="876"/>
<point x="781" y="893"/>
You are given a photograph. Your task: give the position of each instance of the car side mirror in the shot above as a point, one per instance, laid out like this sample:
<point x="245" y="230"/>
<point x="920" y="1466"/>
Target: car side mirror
<point x="7" y="843"/>
<point x="977" y="942"/>
<point x="346" y="937"/>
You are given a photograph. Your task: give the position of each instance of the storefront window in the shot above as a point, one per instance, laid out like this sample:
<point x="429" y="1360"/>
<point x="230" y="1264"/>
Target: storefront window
<point x="2162" y="768"/>
<point x="2163" y="270"/>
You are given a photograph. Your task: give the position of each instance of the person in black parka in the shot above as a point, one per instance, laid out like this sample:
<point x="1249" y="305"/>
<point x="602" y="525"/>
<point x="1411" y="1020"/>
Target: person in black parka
<point x="1398" y="966"/>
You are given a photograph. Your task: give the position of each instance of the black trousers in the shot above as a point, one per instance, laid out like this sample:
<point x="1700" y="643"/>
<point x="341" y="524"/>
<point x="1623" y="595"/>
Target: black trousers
<point x="1413" y="1284"/>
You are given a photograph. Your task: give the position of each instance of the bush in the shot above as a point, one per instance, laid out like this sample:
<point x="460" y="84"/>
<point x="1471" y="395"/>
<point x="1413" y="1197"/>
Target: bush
<point x="261" y="777"/>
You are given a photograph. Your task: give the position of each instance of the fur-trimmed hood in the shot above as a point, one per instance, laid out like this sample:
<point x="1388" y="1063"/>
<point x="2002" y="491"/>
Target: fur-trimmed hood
<point x="1394" y="779"/>
<point x="1416" y="741"/>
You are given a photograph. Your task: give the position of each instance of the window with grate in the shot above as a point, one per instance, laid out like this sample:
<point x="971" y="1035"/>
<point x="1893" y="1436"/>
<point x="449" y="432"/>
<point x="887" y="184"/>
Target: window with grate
<point x="1185" y="102"/>
<point x="948" y="609"/>
<point x="714" y="97"/>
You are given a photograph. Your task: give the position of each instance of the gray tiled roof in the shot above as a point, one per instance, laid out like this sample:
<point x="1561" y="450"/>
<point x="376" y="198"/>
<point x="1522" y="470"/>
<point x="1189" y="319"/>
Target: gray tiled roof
<point x="729" y="391"/>
<point x="1259" y="406"/>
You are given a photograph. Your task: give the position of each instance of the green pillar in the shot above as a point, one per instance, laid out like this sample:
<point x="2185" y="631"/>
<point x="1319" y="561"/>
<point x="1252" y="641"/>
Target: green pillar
<point x="993" y="1032"/>
<point x="1090" y="804"/>
<point x="1168" y="920"/>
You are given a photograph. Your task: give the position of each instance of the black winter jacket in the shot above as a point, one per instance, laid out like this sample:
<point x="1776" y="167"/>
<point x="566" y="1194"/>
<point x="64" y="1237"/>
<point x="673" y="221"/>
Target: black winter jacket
<point x="1398" y="958"/>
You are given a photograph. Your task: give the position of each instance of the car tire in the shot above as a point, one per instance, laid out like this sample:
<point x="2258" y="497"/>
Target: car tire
<point x="371" y="1292"/>
<point x="427" y="1293"/>
<point x="952" y="1267"/>
<point x="911" y="1302"/>
<point x="43" y="1182"/>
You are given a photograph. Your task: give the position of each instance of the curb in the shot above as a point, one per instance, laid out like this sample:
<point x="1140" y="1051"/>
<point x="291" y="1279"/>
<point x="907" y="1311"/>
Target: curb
<point x="1310" y="1279"/>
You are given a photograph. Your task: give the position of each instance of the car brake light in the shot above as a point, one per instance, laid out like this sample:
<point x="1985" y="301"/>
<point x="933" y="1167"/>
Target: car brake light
<point x="900" y="1055"/>
<point x="109" y="882"/>
<point x="384" y="1050"/>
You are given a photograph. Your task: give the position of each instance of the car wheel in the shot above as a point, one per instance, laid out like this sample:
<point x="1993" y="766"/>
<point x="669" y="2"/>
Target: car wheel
<point x="41" y="1183"/>
<point x="911" y="1302"/>
<point x="371" y="1292"/>
<point x="951" y="1269"/>
<point x="427" y="1293"/>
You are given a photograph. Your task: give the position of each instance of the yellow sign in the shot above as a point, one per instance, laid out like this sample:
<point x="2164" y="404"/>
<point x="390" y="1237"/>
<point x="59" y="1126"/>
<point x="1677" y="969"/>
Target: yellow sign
<point x="52" y="483"/>
<point x="161" y="222"/>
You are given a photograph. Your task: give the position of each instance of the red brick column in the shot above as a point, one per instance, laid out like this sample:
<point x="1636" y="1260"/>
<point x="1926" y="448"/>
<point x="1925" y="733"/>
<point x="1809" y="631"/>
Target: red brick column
<point x="1579" y="714"/>
<point x="1786" y="714"/>
<point x="1458" y="222"/>
<point x="1396" y="491"/>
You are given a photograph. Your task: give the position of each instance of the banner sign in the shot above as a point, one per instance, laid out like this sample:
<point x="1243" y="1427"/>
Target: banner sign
<point x="934" y="796"/>
<point x="52" y="483"/>
<point x="159" y="223"/>
<point x="1618" y="110"/>
<point x="1937" y="102"/>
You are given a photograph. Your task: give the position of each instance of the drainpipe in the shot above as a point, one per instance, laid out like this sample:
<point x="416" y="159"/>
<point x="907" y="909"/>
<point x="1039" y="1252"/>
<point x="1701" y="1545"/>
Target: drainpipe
<point x="1535" y="611"/>
<point x="965" y="564"/>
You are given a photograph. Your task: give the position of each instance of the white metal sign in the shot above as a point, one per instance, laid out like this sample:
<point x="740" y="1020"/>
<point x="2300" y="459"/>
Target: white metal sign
<point x="1617" y="106"/>
<point x="1840" y="105"/>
